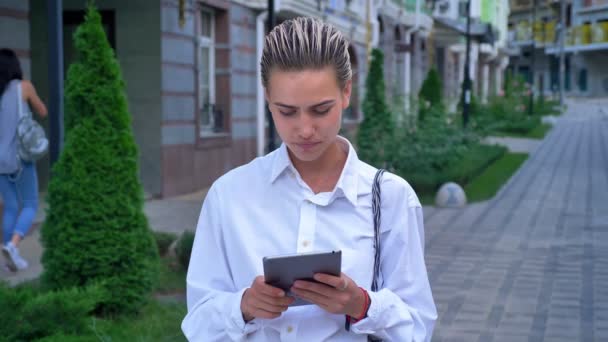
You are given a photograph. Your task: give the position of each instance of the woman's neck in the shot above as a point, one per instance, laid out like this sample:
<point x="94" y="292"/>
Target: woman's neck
<point x="322" y="174"/>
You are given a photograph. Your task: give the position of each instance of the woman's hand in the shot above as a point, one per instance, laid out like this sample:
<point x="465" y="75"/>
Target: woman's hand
<point x="338" y="295"/>
<point x="263" y="301"/>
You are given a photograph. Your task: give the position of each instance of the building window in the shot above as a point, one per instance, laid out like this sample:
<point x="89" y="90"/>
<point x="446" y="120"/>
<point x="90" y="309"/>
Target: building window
<point x="210" y="116"/>
<point x="337" y="5"/>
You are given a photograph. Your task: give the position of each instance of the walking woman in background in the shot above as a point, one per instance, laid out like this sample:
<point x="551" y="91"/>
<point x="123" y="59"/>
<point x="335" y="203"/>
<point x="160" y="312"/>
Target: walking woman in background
<point x="311" y="194"/>
<point x="18" y="180"/>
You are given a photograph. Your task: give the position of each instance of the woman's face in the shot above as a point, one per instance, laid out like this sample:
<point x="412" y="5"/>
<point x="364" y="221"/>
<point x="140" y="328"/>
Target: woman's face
<point x="307" y="109"/>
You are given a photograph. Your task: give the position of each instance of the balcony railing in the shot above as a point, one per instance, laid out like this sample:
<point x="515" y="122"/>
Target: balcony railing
<point x="587" y="34"/>
<point x="410" y="6"/>
<point x="544" y="32"/>
<point x="593" y="3"/>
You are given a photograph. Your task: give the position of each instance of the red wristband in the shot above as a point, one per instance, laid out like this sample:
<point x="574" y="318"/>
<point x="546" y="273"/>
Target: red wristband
<point x="365" y="308"/>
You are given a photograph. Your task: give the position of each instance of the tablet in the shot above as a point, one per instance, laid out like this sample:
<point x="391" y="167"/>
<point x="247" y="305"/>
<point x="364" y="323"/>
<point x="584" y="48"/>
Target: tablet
<point x="283" y="270"/>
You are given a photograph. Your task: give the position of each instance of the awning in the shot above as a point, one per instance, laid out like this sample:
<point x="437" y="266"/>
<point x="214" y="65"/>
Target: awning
<point x="451" y="31"/>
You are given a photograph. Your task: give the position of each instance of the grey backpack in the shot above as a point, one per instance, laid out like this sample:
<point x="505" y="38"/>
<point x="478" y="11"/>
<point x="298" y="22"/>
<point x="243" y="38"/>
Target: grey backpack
<point x="32" y="143"/>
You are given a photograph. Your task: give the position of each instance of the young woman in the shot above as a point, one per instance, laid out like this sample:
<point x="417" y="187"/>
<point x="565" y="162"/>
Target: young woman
<point x="311" y="194"/>
<point x="18" y="180"/>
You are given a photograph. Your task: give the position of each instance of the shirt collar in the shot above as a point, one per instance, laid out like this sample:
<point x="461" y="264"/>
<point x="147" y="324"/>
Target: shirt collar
<point x="347" y="183"/>
<point x="280" y="163"/>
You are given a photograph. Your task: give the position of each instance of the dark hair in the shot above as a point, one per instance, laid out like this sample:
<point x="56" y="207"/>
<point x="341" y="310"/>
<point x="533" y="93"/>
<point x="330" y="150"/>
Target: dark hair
<point x="10" y="69"/>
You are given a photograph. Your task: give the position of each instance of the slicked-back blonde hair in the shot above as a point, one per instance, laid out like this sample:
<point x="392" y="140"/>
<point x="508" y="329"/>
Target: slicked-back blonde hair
<point x="305" y="43"/>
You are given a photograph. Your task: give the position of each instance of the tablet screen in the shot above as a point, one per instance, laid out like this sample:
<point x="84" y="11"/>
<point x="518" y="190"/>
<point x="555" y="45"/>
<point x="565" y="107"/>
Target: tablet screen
<point x="283" y="270"/>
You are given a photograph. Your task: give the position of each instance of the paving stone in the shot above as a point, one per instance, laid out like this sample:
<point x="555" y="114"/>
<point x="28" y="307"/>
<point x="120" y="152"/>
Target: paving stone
<point x="535" y="258"/>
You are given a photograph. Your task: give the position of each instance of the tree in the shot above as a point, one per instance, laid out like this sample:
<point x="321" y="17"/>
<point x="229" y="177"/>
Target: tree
<point x="375" y="135"/>
<point x="430" y="95"/>
<point x="95" y="230"/>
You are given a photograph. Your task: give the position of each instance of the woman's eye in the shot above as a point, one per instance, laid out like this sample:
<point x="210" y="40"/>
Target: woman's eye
<point x="287" y="113"/>
<point x="321" y="111"/>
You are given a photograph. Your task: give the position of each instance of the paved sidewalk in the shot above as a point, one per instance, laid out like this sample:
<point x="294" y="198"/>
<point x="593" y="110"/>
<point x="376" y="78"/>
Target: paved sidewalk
<point x="172" y="215"/>
<point x="531" y="264"/>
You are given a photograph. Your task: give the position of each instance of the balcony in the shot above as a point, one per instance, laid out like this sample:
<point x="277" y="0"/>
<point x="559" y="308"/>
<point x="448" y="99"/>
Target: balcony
<point x="584" y="38"/>
<point x="544" y="34"/>
<point x="520" y="5"/>
<point x="410" y="6"/>
<point x="593" y="3"/>
<point x="526" y="5"/>
<point x="593" y="8"/>
<point x="588" y="34"/>
<point x="404" y="11"/>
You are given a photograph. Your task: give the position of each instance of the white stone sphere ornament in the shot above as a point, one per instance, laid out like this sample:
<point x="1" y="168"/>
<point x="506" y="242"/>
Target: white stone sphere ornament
<point x="451" y="195"/>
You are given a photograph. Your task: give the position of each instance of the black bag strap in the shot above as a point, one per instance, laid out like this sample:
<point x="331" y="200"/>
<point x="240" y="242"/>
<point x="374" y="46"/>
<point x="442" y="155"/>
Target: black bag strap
<point x="377" y="213"/>
<point x="376" y="205"/>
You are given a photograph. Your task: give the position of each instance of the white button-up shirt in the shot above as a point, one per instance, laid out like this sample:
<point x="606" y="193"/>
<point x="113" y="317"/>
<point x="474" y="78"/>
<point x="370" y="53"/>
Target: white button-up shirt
<point x="264" y="208"/>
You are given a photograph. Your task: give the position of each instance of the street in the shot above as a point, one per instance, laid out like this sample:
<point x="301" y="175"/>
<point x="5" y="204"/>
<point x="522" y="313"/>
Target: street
<point x="531" y="264"/>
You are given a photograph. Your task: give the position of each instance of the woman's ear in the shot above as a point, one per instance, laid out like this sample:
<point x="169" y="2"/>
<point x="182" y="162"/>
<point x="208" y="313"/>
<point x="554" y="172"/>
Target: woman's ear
<point x="346" y="91"/>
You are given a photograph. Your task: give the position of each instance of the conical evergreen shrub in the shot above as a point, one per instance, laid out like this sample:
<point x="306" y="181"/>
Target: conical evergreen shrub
<point x="430" y="95"/>
<point x="95" y="230"/>
<point x="375" y="134"/>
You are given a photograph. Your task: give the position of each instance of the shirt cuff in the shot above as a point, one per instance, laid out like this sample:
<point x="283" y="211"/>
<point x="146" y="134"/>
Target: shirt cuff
<point x="238" y="328"/>
<point x="368" y="324"/>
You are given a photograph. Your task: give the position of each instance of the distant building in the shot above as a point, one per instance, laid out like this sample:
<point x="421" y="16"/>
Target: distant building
<point x="191" y="71"/>
<point x="488" y="55"/>
<point x="586" y="45"/>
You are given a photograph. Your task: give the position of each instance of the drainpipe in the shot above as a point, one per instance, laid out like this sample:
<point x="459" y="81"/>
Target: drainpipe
<point x="407" y="82"/>
<point x="55" y="36"/>
<point x="375" y="24"/>
<point x="260" y="32"/>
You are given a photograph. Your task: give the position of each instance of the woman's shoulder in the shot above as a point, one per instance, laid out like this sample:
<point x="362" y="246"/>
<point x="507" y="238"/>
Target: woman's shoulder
<point x="27" y="86"/>
<point x="394" y="188"/>
<point x="246" y="176"/>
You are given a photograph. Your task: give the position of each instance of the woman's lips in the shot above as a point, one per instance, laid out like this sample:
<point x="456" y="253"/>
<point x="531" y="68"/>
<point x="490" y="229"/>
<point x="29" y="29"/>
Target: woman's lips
<point x="307" y="146"/>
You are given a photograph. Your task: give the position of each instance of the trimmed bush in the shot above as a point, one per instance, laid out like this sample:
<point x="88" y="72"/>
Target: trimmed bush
<point x="472" y="161"/>
<point x="164" y="241"/>
<point x="431" y="88"/>
<point x="60" y="337"/>
<point x="35" y="315"/>
<point x="95" y="229"/>
<point x="376" y="133"/>
<point x="183" y="249"/>
<point x="430" y="95"/>
<point x="426" y="156"/>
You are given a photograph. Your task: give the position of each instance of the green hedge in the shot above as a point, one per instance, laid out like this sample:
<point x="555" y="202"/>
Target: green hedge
<point x="470" y="164"/>
<point x="27" y="314"/>
<point x="164" y="241"/>
<point x="183" y="249"/>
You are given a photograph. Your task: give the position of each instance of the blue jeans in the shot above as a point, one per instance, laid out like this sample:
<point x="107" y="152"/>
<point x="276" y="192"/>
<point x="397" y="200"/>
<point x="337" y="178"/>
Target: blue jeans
<point x="19" y="191"/>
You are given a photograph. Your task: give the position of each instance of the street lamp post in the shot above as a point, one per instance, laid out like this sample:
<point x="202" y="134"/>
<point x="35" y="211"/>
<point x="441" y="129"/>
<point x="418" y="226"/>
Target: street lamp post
<point x="532" y="59"/>
<point x="466" y="84"/>
<point x="562" y="64"/>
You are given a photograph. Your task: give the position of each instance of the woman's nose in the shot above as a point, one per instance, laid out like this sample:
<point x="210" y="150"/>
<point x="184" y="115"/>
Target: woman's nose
<point x="307" y="127"/>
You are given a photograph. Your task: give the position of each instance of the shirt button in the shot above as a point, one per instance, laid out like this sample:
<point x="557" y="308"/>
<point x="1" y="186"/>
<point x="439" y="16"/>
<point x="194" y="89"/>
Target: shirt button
<point x="290" y="329"/>
<point x="305" y="243"/>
